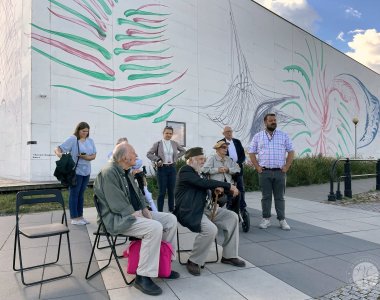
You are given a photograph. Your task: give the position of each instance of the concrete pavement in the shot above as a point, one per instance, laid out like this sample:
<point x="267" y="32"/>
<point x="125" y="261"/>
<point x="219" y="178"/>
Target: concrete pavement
<point x="327" y="249"/>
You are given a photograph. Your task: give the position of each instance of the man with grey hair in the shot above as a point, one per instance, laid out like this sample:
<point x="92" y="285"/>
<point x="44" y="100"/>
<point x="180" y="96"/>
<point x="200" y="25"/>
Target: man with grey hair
<point x="191" y="211"/>
<point x="124" y="211"/>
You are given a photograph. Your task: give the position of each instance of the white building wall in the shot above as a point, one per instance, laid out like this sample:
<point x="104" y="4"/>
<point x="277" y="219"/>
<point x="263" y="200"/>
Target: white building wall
<point x="15" y="85"/>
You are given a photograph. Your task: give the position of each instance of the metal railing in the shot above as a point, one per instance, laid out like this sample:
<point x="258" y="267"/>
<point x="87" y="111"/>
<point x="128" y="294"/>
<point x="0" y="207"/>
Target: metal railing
<point x="348" y="177"/>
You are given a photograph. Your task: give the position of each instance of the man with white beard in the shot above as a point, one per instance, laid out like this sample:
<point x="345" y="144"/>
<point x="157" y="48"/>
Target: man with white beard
<point x="192" y="212"/>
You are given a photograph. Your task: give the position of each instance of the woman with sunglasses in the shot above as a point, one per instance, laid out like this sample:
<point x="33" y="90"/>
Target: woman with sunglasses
<point x="165" y="153"/>
<point x="221" y="167"/>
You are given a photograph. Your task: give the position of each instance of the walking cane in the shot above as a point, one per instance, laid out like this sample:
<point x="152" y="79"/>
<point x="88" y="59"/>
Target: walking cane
<point x="218" y="194"/>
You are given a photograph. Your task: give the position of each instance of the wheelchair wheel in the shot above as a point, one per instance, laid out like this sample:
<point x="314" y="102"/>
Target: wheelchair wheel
<point x="246" y="224"/>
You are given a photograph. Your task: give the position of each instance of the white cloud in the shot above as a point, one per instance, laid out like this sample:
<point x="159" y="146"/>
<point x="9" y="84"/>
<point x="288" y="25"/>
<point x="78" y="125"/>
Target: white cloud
<point x="341" y="36"/>
<point x="356" y="31"/>
<point x="366" y="48"/>
<point x="298" y="12"/>
<point x="353" y="12"/>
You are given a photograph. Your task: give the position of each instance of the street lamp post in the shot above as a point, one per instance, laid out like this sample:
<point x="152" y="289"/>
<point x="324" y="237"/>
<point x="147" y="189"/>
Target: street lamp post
<point x="355" y="120"/>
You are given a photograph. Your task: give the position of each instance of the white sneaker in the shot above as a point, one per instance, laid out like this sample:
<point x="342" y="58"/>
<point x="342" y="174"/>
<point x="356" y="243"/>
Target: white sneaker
<point x="78" y="222"/>
<point x="86" y="221"/>
<point x="265" y="223"/>
<point x="284" y="225"/>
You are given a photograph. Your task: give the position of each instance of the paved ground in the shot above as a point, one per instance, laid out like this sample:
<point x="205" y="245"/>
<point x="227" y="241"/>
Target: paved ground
<point x="327" y="249"/>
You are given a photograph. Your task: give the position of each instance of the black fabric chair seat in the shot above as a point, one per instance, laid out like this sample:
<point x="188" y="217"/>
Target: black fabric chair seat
<point x="46" y="230"/>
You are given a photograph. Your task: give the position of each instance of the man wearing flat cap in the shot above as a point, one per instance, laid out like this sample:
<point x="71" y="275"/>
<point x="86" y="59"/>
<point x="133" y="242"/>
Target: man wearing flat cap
<point x="221" y="167"/>
<point x="191" y="211"/>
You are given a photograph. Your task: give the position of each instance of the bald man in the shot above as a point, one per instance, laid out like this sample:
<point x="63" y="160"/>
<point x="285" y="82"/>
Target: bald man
<point x="124" y="210"/>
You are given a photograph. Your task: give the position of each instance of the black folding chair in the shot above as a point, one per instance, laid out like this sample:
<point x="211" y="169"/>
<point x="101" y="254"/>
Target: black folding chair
<point x="111" y="239"/>
<point x="188" y="250"/>
<point x="40" y="231"/>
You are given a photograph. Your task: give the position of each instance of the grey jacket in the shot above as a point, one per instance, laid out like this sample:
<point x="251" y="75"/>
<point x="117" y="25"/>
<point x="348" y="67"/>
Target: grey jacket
<point x="110" y="187"/>
<point x="156" y="153"/>
<point x="214" y="162"/>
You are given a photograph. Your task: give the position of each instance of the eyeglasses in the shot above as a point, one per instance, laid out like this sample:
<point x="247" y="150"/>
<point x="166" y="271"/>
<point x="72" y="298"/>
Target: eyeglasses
<point x="223" y="147"/>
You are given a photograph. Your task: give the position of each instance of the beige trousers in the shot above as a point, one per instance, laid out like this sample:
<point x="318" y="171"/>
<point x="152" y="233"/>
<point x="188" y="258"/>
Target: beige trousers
<point x="226" y="220"/>
<point x="163" y="226"/>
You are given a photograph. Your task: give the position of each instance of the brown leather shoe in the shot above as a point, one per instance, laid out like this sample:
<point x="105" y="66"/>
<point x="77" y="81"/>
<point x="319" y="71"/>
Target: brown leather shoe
<point x="233" y="261"/>
<point x="193" y="268"/>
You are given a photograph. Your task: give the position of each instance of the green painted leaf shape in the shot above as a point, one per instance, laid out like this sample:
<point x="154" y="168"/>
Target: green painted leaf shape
<point x="131" y="12"/>
<point x="123" y="98"/>
<point x="124" y="67"/>
<point x="75" y="38"/>
<point x="301" y="71"/>
<point x="98" y="75"/>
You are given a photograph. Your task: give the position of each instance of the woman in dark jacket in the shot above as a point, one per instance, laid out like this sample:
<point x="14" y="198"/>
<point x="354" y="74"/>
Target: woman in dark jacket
<point x="165" y="154"/>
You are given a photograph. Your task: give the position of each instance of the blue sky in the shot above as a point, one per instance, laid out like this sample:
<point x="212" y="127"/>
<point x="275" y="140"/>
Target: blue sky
<point x="351" y="26"/>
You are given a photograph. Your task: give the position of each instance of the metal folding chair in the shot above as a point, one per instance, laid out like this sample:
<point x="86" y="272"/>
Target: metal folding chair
<point x="40" y="231"/>
<point x="111" y="240"/>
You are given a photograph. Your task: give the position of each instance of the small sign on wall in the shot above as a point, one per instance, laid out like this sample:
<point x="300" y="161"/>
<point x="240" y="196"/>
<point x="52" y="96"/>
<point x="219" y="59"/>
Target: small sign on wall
<point x="179" y="132"/>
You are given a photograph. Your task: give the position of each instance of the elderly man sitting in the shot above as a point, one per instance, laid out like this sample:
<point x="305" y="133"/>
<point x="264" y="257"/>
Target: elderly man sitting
<point x="221" y="167"/>
<point x="191" y="211"/>
<point x="124" y="210"/>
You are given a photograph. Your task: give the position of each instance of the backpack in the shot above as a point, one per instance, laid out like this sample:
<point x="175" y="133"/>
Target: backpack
<point x="133" y="255"/>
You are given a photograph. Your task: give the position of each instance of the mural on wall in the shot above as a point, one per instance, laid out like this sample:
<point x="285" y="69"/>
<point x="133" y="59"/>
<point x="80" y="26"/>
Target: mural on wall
<point x="139" y="62"/>
<point x="326" y="107"/>
<point x="245" y="103"/>
<point x="322" y="111"/>
<point x="128" y="59"/>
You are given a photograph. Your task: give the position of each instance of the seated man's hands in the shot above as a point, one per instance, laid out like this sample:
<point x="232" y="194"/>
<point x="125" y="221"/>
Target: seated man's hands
<point x="147" y="213"/>
<point x="138" y="213"/>
<point x="219" y="191"/>
<point x="223" y="170"/>
<point x="234" y="190"/>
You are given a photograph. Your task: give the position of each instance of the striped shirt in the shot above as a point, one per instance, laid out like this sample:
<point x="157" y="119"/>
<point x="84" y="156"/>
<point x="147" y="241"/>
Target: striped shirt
<point x="271" y="150"/>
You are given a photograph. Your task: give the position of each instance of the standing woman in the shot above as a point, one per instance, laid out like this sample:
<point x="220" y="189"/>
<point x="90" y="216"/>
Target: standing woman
<point x="165" y="153"/>
<point x="83" y="151"/>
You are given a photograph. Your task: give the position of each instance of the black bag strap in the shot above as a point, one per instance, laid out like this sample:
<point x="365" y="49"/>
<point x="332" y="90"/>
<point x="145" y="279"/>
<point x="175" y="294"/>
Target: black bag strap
<point x="76" y="164"/>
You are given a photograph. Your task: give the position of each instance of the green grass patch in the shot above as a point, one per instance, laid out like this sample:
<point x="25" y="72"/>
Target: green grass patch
<point x="304" y="171"/>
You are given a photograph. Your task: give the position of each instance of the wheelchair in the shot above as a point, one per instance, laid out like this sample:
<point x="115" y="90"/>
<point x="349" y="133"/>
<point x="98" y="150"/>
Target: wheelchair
<point x="233" y="204"/>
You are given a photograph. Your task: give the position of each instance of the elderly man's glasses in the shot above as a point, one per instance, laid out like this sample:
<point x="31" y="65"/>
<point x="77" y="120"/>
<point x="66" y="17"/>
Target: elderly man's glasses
<point x="223" y="147"/>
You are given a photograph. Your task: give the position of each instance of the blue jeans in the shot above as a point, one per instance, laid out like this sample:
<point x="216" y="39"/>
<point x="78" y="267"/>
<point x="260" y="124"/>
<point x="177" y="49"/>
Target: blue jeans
<point x="272" y="183"/>
<point x="76" y="197"/>
<point x="166" y="181"/>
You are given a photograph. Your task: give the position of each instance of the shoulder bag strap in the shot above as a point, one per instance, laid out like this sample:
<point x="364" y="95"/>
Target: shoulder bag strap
<point x="78" y="157"/>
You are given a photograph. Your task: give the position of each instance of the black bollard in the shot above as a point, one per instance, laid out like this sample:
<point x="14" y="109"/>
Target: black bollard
<point x="378" y="175"/>
<point x="338" y="194"/>
<point x="331" y="195"/>
<point x="347" y="179"/>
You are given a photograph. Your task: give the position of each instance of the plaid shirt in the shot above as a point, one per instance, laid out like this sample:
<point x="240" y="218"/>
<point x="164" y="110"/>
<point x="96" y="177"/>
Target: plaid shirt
<point x="271" y="150"/>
